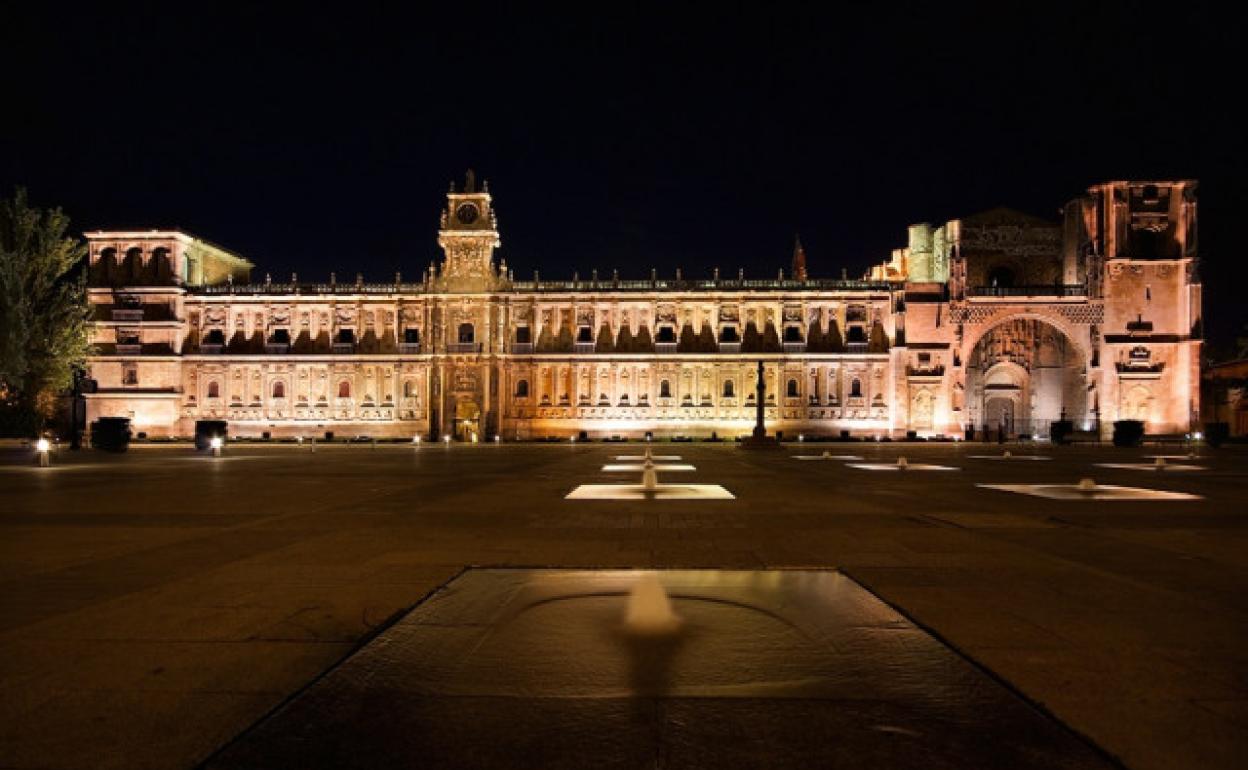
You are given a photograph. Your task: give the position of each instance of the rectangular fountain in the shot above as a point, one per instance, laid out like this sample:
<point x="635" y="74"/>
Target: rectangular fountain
<point x="675" y="669"/>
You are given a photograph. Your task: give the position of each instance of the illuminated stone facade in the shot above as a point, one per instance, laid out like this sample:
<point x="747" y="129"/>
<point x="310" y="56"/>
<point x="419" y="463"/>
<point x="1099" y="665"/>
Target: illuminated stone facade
<point x="997" y="320"/>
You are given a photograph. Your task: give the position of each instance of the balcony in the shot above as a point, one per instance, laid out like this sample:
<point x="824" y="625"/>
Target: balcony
<point x="795" y="347"/>
<point x="211" y="348"/>
<point x="344" y="347"/>
<point x="521" y="348"/>
<point x="1049" y="290"/>
<point x="409" y="348"/>
<point x="730" y="347"/>
<point x="856" y="347"/>
<point x="129" y="348"/>
<point x="665" y="347"/>
<point x="582" y="347"/>
<point x="277" y="348"/>
<point x="127" y="314"/>
<point x="463" y="347"/>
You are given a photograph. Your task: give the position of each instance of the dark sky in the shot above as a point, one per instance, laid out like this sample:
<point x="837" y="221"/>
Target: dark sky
<point x="638" y="138"/>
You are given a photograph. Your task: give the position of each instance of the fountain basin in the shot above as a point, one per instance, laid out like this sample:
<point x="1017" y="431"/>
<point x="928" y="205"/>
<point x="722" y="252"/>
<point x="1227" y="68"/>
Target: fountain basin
<point x="641" y="492"/>
<point x="1098" y="492"/>
<point x="775" y="669"/>
<point x="634" y="467"/>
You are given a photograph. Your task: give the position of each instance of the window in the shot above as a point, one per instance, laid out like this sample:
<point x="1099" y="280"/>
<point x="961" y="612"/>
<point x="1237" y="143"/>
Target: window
<point x="411" y="336"/>
<point x="665" y="389"/>
<point x="344" y="389"/>
<point x="855" y="388"/>
<point x="215" y="337"/>
<point x="522" y="389"/>
<point x="467" y="335"/>
<point x="792" y="334"/>
<point x="281" y="336"/>
<point x="1001" y="277"/>
<point x="925" y="358"/>
<point x="666" y="334"/>
<point x="409" y="389"/>
<point x="729" y="334"/>
<point x="583" y="334"/>
<point x="856" y="334"/>
<point x="346" y="335"/>
<point x="730" y="389"/>
<point x="524" y="335"/>
<point x="791" y="389"/>
<point x="130" y="375"/>
<point x="279" y="389"/>
<point x="214" y="390"/>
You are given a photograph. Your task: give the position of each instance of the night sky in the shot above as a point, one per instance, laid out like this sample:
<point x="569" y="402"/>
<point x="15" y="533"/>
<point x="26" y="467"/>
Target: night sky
<point x="642" y="138"/>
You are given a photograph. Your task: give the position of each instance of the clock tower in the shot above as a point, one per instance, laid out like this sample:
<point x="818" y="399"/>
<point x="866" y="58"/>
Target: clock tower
<point x="468" y="236"/>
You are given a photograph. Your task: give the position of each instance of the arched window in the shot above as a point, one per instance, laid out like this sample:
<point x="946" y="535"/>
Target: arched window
<point x="214" y="390"/>
<point x="791" y="389"/>
<point x="344" y="389"/>
<point x="134" y="263"/>
<point x="522" y="389"/>
<point x="855" y="388"/>
<point x="730" y="389"/>
<point x="467" y="334"/>
<point x="279" y="389"/>
<point x="665" y="389"/>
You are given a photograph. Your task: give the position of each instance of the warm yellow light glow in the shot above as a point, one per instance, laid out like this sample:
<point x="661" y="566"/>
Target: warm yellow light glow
<point x="42" y="445"/>
<point x="216" y="442"/>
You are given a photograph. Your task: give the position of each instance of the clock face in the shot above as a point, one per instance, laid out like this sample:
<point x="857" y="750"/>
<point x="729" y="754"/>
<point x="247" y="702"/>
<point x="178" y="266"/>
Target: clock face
<point x="466" y="213"/>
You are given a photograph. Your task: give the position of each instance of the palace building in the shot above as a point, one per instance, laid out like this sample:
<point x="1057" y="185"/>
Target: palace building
<point x="998" y="320"/>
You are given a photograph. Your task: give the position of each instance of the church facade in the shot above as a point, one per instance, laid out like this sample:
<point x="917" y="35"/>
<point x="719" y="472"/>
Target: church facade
<point x="998" y="321"/>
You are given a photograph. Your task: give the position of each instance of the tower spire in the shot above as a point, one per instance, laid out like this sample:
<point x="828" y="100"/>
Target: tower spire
<point x="799" y="259"/>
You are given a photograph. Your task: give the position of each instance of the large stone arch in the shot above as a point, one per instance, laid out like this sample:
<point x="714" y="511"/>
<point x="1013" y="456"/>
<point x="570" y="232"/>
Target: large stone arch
<point x="1025" y="370"/>
<point x="1078" y="333"/>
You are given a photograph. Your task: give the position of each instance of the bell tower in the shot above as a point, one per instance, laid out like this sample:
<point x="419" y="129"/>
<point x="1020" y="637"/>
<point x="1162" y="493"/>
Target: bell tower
<point x="468" y="236"/>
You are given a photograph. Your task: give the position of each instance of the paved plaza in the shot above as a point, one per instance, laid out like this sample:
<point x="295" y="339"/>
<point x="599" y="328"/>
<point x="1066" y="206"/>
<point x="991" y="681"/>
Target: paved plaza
<point x="158" y="604"/>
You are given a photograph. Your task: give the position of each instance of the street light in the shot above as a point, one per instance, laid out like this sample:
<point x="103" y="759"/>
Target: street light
<point x="42" y="446"/>
<point x="216" y="443"/>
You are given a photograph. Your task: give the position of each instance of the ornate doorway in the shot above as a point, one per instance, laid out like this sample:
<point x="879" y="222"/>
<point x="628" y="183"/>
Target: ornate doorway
<point x="467" y="420"/>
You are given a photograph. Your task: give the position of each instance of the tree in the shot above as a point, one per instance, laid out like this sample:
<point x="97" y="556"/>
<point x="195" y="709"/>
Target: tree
<point x="44" y="313"/>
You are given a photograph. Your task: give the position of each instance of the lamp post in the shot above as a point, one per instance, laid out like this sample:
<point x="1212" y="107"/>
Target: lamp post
<point x="216" y="444"/>
<point x="41" y="448"/>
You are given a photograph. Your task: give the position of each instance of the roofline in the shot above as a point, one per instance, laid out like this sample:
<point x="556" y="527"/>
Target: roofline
<point x="177" y="235"/>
